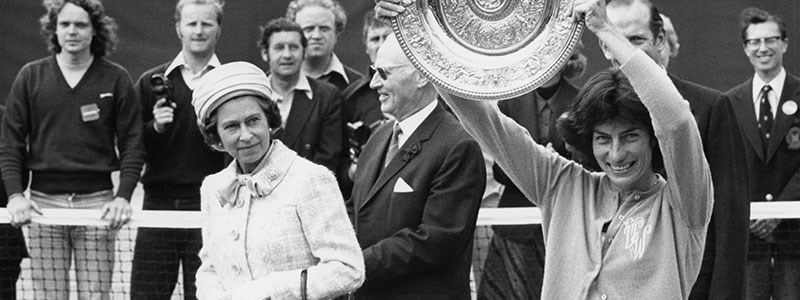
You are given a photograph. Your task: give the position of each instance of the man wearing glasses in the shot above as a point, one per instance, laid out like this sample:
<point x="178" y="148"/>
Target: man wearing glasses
<point x="766" y="109"/>
<point x="417" y="192"/>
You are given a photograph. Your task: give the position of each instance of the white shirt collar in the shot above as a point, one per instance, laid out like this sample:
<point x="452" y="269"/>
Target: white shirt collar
<point x="189" y="77"/>
<point x="410" y="124"/>
<point x="179" y="61"/>
<point x="302" y="85"/>
<point x="774" y="98"/>
<point x="336" y="66"/>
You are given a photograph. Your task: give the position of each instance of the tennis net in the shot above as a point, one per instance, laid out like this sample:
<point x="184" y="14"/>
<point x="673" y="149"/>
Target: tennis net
<point x="491" y="221"/>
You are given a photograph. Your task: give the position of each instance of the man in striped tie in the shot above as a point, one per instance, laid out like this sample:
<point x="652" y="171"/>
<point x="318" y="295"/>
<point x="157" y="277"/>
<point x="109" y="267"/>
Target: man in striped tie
<point x="766" y="109"/>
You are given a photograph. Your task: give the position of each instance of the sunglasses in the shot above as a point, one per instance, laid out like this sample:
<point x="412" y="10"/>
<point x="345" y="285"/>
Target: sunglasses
<point x="382" y="71"/>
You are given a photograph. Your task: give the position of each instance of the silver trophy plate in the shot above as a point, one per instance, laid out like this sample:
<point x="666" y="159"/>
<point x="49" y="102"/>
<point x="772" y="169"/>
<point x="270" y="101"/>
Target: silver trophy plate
<point x="488" y="49"/>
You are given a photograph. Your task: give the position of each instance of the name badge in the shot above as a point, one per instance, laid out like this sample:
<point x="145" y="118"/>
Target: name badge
<point x="90" y="112"/>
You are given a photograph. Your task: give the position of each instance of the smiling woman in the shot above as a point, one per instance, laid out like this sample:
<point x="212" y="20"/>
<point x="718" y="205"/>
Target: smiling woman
<point x="274" y="224"/>
<point x="626" y="232"/>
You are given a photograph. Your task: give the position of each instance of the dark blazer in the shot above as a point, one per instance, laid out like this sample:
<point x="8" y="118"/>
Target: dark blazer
<point x="338" y="81"/>
<point x="359" y="103"/>
<point x="774" y="171"/>
<point x="723" y="268"/>
<point x="418" y="245"/>
<point x="313" y="128"/>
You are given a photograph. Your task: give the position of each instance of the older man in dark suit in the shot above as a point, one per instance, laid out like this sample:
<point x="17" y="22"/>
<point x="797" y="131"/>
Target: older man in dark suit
<point x="722" y="272"/>
<point x="417" y="191"/>
<point x="766" y="108"/>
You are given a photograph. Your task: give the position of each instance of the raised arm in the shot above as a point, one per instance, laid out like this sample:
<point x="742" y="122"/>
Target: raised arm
<point x="673" y="122"/>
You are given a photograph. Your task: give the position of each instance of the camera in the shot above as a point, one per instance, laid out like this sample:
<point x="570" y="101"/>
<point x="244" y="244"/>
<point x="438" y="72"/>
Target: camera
<point x="161" y="88"/>
<point x="357" y="135"/>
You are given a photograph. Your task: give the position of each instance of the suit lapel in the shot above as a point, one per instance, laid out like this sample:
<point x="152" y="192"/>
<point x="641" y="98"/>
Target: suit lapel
<point x="371" y="165"/>
<point x="298" y="116"/>
<point x="412" y="147"/>
<point x="791" y="89"/>
<point x="742" y="102"/>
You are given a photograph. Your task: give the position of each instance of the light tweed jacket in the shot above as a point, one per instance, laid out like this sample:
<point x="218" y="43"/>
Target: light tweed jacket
<point x="299" y="224"/>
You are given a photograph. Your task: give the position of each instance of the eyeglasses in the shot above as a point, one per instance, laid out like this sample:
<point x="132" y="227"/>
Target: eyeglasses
<point x="382" y="70"/>
<point x="768" y="41"/>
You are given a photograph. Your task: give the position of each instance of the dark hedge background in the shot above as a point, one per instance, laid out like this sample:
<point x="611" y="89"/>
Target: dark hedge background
<point x="710" y="54"/>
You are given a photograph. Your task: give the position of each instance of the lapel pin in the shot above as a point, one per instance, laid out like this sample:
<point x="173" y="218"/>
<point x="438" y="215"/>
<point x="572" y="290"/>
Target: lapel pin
<point x="789" y="107"/>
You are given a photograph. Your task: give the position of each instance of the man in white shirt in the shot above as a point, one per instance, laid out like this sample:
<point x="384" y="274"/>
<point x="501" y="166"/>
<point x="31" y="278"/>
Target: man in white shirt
<point x="766" y="109"/>
<point x="177" y="157"/>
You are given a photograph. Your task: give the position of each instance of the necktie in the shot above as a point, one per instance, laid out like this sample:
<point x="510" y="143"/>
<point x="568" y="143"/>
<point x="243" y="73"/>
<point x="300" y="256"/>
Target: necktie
<point x="544" y="123"/>
<point x="394" y="143"/>
<point x="765" y="114"/>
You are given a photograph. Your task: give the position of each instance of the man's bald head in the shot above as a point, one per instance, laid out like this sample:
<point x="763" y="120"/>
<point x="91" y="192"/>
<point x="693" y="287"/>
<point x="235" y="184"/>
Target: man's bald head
<point x="391" y="54"/>
<point x="402" y="89"/>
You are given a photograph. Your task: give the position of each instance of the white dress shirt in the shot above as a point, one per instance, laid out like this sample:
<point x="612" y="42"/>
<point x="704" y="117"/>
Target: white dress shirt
<point x="190" y="77"/>
<point x="410" y="124"/>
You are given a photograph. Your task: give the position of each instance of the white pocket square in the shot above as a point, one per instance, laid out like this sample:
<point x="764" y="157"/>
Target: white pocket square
<point x="402" y="187"/>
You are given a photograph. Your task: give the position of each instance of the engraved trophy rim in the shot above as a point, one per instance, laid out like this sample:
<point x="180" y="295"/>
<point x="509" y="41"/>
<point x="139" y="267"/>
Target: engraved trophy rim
<point x="508" y="64"/>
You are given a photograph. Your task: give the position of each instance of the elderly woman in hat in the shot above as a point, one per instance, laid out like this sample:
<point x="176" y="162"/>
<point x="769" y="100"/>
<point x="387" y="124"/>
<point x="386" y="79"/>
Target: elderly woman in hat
<point x="274" y="224"/>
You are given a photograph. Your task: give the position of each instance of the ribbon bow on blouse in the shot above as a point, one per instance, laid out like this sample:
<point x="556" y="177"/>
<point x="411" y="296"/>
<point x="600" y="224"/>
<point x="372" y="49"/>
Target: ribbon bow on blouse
<point x="241" y="184"/>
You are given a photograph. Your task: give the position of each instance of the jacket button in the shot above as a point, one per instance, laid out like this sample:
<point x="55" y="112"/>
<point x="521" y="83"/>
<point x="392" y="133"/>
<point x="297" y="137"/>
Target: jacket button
<point x="236" y="269"/>
<point x="307" y="146"/>
<point x="234" y="235"/>
<point x="604" y="297"/>
<point x="768" y="197"/>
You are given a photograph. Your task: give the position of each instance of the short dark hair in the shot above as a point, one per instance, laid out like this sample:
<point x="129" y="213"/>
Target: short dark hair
<point x="218" y="5"/>
<point x="606" y="96"/>
<point x="280" y="25"/>
<point x="339" y="16"/>
<point x="209" y="128"/>
<point x="752" y="15"/>
<point x="371" y="22"/>
<point x="105" y="40"/>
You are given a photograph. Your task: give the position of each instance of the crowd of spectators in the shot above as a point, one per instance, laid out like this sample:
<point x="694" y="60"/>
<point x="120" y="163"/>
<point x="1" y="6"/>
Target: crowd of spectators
<point x="406" y="163"/>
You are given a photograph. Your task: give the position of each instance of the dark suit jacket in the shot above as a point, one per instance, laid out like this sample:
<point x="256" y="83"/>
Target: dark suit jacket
<point x="523" y="110"/>
<point x="338" y="81"/>
<point x="12" y="243"/>
<point x="722" y="271"/>
<point x="359" y="103"/>
<point x="418" y="245"/>
<point x="313" y="128"/>
<point x="774" y="171"/>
